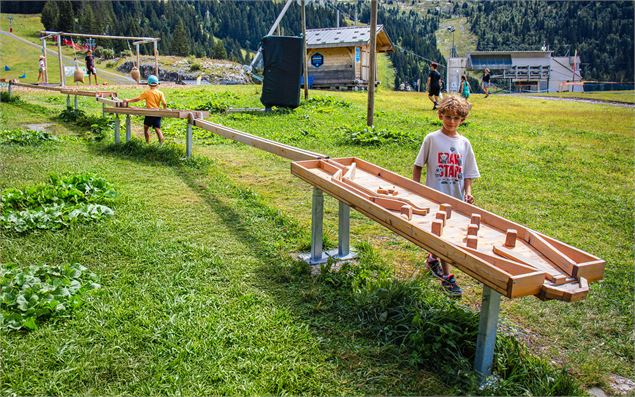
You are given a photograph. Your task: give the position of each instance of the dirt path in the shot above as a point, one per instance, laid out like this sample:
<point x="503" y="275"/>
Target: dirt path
<point x="114" y="78"/>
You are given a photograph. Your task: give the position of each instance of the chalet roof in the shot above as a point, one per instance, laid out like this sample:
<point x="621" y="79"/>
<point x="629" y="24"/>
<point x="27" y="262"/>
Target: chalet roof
<point x="349" y="36"/>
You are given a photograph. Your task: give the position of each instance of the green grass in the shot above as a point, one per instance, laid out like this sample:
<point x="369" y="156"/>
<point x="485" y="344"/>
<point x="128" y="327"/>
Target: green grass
<point x="627" y="96"/>
<point x="199" y="294"/>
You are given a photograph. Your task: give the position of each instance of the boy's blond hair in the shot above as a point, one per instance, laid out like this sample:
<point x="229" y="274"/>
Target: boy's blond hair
<point x="454" y="104"/>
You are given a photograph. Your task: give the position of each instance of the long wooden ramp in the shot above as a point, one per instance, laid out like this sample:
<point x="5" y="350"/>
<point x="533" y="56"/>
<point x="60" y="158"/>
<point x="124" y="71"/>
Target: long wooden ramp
<point x="506" y="256"/>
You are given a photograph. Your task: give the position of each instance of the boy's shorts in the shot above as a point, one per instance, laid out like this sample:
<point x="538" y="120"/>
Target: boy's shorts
<point x="152" y="121"/>
<point x="434" y="91"/>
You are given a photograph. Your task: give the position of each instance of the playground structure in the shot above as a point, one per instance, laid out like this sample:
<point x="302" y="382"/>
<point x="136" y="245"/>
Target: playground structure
<point x="134" y="73"/>
<point x="508" y="258"/>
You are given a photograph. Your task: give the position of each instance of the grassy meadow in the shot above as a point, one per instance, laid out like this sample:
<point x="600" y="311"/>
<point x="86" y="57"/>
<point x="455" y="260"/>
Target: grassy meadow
<point x="627" y="96"/>
<point x="200" y="291"/>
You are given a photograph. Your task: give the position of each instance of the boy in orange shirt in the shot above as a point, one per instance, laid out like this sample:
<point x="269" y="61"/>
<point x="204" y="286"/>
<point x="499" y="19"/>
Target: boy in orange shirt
<point x="154" y="99"/>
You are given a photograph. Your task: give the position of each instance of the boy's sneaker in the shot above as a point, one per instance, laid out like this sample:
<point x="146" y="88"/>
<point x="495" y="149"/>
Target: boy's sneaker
<point x="450" y="286"/>
<point x="434" y="265"/>
<point x="435" y="106"/>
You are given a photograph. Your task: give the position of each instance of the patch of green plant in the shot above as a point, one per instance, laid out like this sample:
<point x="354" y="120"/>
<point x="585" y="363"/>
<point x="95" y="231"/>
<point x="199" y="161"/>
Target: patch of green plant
<point x="5" y="97"/>
<point x="195" y="67"/>
<point x="326" y="101"/>
<point x="374" y="136"/>
<point x="63" y="201"/>
<point x="23" y="137"/>
<point x="31" y="295"/>
<point x="218" y="102"/>
<point x="97" y="126"/>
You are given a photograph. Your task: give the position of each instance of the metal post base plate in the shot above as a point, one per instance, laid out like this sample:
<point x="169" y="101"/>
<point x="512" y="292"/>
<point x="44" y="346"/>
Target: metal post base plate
<point x="334" y="253"/>
<point x="306" y="257"/>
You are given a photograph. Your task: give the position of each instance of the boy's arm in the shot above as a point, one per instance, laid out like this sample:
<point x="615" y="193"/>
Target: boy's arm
<point x="416" y="174"/>
<point x="163" y="102"/>
<point x="468" y="190"/>
<point x="137" y="99"/>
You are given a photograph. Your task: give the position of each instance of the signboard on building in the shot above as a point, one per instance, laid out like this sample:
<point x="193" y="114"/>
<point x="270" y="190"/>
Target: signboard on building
<point x="317" y="59"/>
<point x="357" y="54"/>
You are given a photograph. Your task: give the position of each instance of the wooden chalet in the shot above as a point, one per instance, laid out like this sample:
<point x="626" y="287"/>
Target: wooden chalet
<point x="338" y="58"/>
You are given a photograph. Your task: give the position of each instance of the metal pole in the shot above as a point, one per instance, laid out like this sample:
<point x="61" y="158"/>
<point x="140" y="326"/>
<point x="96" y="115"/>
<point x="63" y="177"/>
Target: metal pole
<point x="10" y="89"/>
<point x="486" y="340"/>
<point x="59" y="58"/>
<point x="117" y="127"/>
<point x="103" y="110"/>
<point x="188" y="140"/>
<point x="317" y="219"/>
<point x="128" y="128"/>
<point x="337" y="18"/>
<point x="68" y="101"/>
<point x="371" y="77"/>
<point x="76" y="102"/>
<point x="304" y="55"/>
<point x="343" y="251"/>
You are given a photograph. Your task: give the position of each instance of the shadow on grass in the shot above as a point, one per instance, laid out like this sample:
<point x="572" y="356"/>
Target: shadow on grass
<point x="168" y="154"/>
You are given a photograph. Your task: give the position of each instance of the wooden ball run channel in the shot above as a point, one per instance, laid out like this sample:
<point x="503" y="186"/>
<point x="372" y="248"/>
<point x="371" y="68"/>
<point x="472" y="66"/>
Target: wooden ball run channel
<point x="508" y="257"/>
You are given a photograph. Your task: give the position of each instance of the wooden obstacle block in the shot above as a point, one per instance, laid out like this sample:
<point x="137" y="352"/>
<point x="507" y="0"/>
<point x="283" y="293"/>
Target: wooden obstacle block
<point x="406" y="212"/>
<point x="472" y="229"/>
<point x="441" y="215"/>
<point x="472" y="242"/>
<point x="437" y="227"/>
<point x="381" y="190"/>
<point x="510" y="238"/>
<point x="447" y="208"/>
<point x="350" y="174"/>
<point x="337" y="175"/>
<point x="475" y="219"/>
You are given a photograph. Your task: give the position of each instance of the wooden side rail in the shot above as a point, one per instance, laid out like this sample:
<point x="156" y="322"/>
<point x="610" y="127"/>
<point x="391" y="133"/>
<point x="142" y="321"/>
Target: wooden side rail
<point x="37" y="87"/>
<point x="179" y="114"/>
<point x="286" y="151"/>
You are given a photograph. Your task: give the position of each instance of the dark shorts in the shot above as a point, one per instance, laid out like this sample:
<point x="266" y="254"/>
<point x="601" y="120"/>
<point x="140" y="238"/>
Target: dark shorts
<point x="434" y="91"/>
<point x="91" y="70"/>
<point x="152" y="121"/>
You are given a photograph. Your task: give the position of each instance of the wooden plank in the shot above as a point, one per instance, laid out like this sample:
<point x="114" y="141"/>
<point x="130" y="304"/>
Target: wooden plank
<point x="72" y="91"/>
<point x="179" y="114"/>
<point x="512" y="267"/>
<point x="37" y="87"/>
<point x="270" y="146"/>
<point x="578" y="255"/>
<point x="558" y="258"/>
<point x="525" y="284"/>
<point x="591" y="271"/>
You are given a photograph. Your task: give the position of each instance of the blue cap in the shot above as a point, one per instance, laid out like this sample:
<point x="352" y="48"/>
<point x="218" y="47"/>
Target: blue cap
<point x="153" y="80"/>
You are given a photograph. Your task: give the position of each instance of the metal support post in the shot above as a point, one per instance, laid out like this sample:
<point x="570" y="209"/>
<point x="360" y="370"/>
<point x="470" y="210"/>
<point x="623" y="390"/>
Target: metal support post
<point x="76" y="103"/>
<point x="343" y="251"/>
<point x="188" y="140"/>
<point x="117" y="127"/>
<point x="128" y="128"/>
<point x="317" y="256"/>
<point x="486" y="340"/>
<point x="10" y="89"/>
<point x="103" y="110"/>
<point x="68" y="101"/>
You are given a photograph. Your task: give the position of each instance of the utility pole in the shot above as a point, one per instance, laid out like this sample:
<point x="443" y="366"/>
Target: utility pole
<point x="575" y="55"/>
<point x="337" y="18"/>
<point x="304" y="56"/>
<point x="373" y="66"/>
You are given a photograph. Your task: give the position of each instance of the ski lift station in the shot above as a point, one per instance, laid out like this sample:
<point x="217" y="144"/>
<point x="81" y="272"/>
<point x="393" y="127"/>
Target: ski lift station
<point x="519" y="71"/>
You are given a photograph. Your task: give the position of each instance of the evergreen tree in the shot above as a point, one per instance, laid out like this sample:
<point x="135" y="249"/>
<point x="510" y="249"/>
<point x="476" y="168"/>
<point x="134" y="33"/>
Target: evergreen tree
<point x="218" y="50"/>
<point x="49" y="16"/>
<point x="66" y="18"/>
<point x="180" y="40"/>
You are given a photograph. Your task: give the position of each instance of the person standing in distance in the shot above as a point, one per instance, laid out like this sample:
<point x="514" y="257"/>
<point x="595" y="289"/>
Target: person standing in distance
<point x="486" y="82"/>
<point x="434" y="85"/>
